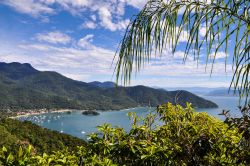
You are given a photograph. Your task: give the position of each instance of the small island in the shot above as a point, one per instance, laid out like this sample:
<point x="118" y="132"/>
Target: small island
<point x="68" y="112"/>
<point x="90" y="112"/>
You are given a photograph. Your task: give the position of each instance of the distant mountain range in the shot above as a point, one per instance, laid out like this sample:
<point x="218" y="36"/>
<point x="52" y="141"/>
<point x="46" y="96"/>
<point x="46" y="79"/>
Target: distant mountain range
<point x="204" y="91"/>
<point x="223" y="92"/>
<point x="196" y="90"/>
<point x="23" y="87"/>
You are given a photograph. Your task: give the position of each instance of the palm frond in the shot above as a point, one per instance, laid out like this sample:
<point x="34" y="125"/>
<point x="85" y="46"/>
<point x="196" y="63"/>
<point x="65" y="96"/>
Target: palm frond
<point x="159" y="25"/>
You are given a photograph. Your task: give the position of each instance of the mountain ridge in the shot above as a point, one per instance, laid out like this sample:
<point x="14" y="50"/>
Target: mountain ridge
<point x="224" y="92"/>
<point x="106" y="84"/>
<point x="23" y="87"/>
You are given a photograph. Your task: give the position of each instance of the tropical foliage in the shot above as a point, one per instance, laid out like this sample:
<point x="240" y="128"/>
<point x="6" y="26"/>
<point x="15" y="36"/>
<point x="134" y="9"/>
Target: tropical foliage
<point x="183" y="137"/>
<point x="161" y="24"/>
<point x="243" y="124"/>
<point x="14" y="133"/>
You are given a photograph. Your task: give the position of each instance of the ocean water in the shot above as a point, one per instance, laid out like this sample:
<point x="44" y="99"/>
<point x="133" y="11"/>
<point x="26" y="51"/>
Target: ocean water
<point x="224" y="103"/>
<point x="80" y="125"/>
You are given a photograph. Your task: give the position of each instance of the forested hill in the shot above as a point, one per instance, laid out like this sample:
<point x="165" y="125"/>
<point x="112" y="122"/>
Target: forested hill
<point x="14" y="133"/>
<point x="23" y="87"/>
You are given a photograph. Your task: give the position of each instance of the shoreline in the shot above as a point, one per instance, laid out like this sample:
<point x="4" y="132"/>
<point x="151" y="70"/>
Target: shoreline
<point x="39" y="112"/>
<point x="31" y="112"/>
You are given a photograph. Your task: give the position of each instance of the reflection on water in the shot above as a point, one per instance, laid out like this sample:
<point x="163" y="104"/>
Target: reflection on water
<point x="80" y="125"/>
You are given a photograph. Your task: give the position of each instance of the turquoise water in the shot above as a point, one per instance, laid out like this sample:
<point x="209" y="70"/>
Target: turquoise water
<point x="80" y="125"/>
<point x="226" y="103"/>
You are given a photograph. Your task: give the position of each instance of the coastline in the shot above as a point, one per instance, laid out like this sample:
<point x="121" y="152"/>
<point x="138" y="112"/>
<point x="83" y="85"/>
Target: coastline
<point x="39" y="112"/>
<point x="25" y="113"/>
<point x="31" y="112"/>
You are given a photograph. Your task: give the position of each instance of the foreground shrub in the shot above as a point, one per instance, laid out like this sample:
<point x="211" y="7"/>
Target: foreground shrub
<point x="173" y="136"/>
<point x="184" y="138"/>
<point x="243" y="124"/>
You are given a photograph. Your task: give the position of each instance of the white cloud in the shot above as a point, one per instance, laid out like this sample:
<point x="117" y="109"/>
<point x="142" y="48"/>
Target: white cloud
<point x="177" y="82"/>
<point x="29" y="7"/>
<point x="190" y="68"/>
<point x="109" y="12"/>
<point x="219" y="55"/>
<point x="36" y="46"/>
<point x="45" y="20"/>
<point x="82" y="77"/>
<point x="106" y="20"/>
<point x="137" y="3"/>
<point x="90" y="62"/>
<point x="180" y="55"/>
<point x="85" y="62"/>
<point x="183" y="36"/>
<point x="93" y="17"/>
<point x="203" y="31"/>
<point x="85" y="42"/>
<point x="173" y="65"/>
<point x="89" y="25"/>
<point x="55" y="37"/>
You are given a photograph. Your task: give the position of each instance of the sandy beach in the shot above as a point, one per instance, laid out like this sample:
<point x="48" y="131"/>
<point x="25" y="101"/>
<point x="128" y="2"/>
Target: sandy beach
<point x="38" y="112"/>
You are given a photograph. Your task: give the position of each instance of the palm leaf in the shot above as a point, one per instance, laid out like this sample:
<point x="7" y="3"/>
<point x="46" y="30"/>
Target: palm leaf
<point x="159" y="26"/>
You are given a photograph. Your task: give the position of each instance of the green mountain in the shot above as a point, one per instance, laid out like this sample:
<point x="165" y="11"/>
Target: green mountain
<point x="23" y="87"/>
<point x="107" y="84"/>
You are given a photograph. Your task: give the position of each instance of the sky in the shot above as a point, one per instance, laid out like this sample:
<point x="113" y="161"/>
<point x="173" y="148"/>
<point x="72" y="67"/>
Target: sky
<point x="79" y="38"/>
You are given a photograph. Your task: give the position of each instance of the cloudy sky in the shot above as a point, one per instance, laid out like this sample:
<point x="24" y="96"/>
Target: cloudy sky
<point x="78" y="38"/>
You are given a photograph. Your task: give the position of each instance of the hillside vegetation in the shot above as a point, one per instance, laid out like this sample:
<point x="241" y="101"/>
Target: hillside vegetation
<point x="23" y="87"/>
<point x="14" y="133"/>
<point x="185" y="138"/>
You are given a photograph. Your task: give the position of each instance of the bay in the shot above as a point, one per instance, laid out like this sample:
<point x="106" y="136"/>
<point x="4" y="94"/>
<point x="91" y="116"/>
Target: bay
<point x="80" y="125"/>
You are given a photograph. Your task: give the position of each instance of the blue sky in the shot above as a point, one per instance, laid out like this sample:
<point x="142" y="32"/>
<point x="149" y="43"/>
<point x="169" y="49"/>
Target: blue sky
<point x="78" y="38"/>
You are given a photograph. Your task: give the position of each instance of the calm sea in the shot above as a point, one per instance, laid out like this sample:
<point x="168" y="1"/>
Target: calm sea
<point x="80" y="125"/>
